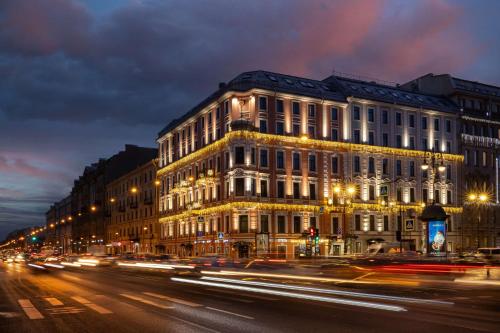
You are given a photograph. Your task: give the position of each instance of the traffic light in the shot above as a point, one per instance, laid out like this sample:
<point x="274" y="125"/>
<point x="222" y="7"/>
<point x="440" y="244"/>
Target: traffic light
<point x="33" y="238"/>
<point x="312" y="231"/>
<point x="317" y="235"/>
<point x="398" y="235"/>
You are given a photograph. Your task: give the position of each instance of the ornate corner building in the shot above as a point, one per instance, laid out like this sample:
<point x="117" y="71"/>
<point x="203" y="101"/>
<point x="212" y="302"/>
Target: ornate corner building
<point x="269" y="160"/>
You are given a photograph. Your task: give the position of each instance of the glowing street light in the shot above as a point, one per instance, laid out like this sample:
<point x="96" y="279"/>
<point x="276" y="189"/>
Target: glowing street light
<point x="133" y="190"/>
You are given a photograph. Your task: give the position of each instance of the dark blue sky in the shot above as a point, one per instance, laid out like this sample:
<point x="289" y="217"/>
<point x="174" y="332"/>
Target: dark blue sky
<point x="79" y="79"/>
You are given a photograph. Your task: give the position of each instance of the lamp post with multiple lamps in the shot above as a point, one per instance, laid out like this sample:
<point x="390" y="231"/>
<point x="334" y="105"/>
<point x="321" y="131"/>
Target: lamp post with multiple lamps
<point x="433" y="161"/>
<point x="343" y="194"/>
<point x="478" y="201"/>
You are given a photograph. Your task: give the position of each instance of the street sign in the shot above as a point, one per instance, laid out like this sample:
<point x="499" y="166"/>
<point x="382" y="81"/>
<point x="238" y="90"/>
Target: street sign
<point x="409" y="225"/>
<point x="220" y="235"/>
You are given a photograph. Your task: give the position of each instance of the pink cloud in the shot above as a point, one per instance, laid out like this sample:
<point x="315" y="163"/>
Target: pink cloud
<point x="18" y="167"/>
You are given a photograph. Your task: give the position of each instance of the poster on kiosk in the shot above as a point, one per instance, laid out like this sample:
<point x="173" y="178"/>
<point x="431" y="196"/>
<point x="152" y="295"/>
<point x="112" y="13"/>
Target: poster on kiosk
<point x="436" y="238"/>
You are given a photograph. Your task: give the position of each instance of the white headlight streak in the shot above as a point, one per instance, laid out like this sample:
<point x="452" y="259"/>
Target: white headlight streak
<point x="370" y="305"/>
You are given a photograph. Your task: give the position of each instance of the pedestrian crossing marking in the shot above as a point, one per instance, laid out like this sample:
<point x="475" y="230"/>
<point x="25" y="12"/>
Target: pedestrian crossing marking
<point x="89" y="304"/>
<point x="30" y="309"/>
<point x="54" y="301"/>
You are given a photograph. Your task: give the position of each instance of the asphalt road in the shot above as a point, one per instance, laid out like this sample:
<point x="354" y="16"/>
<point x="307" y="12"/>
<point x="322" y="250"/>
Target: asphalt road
<point x="118" y="299"/>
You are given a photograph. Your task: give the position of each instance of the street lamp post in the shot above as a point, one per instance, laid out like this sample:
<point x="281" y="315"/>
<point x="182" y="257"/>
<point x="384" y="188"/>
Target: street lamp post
<point x="477" y="200"/>
<point x="342" y="196"/>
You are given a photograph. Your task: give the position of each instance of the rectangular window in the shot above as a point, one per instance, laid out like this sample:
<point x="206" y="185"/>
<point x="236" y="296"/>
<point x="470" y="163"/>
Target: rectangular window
<point x="399" y="142"/>
<point x="262" y="103"/>
<point x="385" y="117"/>
<point x="357" y="222"/>
<point x="371" y="192"/>
<point x="280" y="189"/>
<point x="239" y="153"/>
<point x="311" y="131"/>
<point x="371" y="165"/>
<point x="296" y="129"/>
<point x="398" y="119"/>
<point x="264" y="223"/>
<point x="448" y="126"/>
<point x="448" y="172"/>
<point x="312" y="221"/>
<point x="252" y="156"/>
<point x="371" y="115"/>
<point x="280" y="159"/>
<point x="335" y="225"/>
<point x="312" y="191"/>
<point x="296" y="161"/>
<point x="436" y="124"/>
<point x="357" y="164"/>
<point x="437" y="196"/>
<point x="279" y="106"/>
<point x="296" y="225"/>
<point x="280" y="128"/>
<point x="411" y="120"/>
<point x="335" y="114"/>
<point x="385" y="139"/>
<point x="296" y="190"/>
<point x="448" y="146"/>
<point x="371" y="138"/>
<point x="357" y="136"/>
<point x="385" y="166"/>
<point x="312" y="163"/>
<point x="243" y="223"/>
<point x="264" y="163"/>
<point x="311" y="110"/>
<point x="263" y="126"/>
<point x="412" y="168"/>
<point x="412" y="142"/>
<point x="425" y="144"/>
<point x="296" y="108"/>
<point x="424" y="123"/>
<point x="398" y="168"/>
<point x="356" y="112"/>
<point x="281" y="224"/>
<point x="335" y="134"/>
<point x="448" y="197"/>
<point x="386" y="223"/>
<point x="239" y="184"/>
<point x="263" y="188"/>
<point x="425" y="195"/>
<point x="412" y="195"/>
<point x="372" y="222"/>
<point x="335" y="164"/>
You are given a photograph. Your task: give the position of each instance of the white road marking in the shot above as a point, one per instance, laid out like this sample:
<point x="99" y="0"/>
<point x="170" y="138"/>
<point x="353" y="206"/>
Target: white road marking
<point x="172" y="299"/>
<point x="65" y="310"/>
<point x="54" y="301"/>
<point x="9" y="314"/>
<point x="231" y="313"/>
<point x="146" y="301"/>
<point x="89" y="304"/>
<point x="30" y="309"/>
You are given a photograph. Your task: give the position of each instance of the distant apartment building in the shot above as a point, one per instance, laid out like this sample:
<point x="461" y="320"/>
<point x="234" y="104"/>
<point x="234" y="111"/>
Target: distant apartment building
<point x="268" y="159"/>
<point x="58" y="226"/>
<point x="478" y="106"/>
<point x="132" y="212"/>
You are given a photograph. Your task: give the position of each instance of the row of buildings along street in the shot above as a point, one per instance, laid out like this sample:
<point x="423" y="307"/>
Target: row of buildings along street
<point x="272" y="164"/>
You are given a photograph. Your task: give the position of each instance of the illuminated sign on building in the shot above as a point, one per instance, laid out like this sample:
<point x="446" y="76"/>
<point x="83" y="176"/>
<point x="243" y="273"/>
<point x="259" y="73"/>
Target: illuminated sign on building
<point x="437" y="238"/>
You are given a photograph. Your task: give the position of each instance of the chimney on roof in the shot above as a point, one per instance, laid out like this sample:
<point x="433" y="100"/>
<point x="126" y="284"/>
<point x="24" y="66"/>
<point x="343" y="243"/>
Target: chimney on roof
<point x="222" y="85"/>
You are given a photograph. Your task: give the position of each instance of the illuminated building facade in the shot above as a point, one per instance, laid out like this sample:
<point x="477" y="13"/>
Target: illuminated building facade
<point x="251" y="169"/>
<point x="58" y="226"/>
<point x="132" y="225"/>
<point x="479" y="109"/>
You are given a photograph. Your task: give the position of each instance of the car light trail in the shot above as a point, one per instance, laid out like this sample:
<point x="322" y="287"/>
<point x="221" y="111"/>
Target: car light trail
<point x="144" y="265"/>
<point x="286" y="276"/>
<point x="71" y="264"/>
<point x="370" y="305"/>
<point x="54" y="265"/>
<point x="328" y="291"/>
<point x="36" y="266"/>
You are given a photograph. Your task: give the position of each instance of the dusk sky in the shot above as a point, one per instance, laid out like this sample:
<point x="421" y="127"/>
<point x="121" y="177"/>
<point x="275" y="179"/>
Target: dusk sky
<point x="79" y="79"/>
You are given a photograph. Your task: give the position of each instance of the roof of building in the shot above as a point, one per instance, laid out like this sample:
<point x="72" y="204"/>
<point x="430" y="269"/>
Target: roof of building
<point x="475" y="87"/>
<point x="265" y="80"/>
<point x="390" y="94"/>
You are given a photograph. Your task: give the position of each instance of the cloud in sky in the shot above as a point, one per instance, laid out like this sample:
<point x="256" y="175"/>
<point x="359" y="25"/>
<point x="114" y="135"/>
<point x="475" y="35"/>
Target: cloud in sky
<point x="82" y="78"/>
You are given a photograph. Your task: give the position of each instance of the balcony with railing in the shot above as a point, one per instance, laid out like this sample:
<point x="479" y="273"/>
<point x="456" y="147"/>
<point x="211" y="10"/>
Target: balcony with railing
<point x="481" y="141"/>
